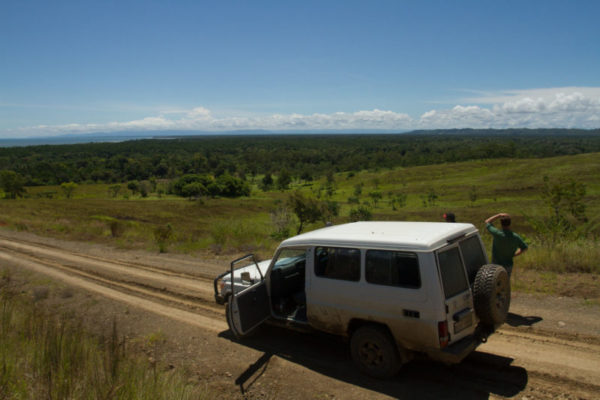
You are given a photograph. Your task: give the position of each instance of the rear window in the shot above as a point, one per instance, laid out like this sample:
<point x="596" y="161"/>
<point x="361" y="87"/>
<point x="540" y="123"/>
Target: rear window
<point x="453" y="275"/>
<point x="337" y="263"/>
<point x="473" y="256"/>
<point x="392" y="268"/>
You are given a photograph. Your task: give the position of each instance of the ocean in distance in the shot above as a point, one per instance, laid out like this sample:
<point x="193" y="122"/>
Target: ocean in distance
<point x="67" y="139"/>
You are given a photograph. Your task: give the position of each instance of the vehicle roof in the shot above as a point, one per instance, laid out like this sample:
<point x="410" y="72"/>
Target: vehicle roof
<point x="416" y="236"/>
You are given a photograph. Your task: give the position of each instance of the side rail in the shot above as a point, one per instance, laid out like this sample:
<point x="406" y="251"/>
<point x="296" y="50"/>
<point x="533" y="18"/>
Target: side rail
<point x="220" y="281"/>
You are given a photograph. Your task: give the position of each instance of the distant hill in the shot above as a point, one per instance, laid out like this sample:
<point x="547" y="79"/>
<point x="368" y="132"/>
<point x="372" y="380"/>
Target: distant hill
<point x="100" y="137"/>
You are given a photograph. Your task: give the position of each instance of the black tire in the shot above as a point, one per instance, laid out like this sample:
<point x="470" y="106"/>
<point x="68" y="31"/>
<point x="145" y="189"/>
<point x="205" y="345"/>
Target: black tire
<point x="374" y="352"/>
<point x="491" y="295"/>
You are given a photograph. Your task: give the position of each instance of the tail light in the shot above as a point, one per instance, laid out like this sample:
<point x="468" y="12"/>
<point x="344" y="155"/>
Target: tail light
<point x="443" y="333"/>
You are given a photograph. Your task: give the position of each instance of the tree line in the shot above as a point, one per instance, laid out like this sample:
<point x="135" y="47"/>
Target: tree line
<point x="304" y="157"/>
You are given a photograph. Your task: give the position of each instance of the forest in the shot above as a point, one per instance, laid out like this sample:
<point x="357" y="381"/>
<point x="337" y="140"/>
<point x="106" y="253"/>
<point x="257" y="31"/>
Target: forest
<point x="303" y="157"/>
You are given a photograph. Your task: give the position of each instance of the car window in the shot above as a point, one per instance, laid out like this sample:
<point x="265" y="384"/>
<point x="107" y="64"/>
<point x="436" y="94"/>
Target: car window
<point x="453" y="275"/>
<point x="392" y="268"/>
<point x="473" y="255"/>
<point x="289" y="258"/>
<point x="337" y="263"/>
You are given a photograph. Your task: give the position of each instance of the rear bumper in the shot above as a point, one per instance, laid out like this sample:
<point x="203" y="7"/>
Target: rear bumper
<point x="456" y="352"/>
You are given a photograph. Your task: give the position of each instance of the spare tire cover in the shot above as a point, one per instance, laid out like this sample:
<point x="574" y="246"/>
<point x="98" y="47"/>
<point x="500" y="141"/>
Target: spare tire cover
<point x="491" y="294"/>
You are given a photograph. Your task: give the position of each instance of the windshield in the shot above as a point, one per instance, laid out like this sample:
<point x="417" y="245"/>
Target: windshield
<point x="290" y="257"/>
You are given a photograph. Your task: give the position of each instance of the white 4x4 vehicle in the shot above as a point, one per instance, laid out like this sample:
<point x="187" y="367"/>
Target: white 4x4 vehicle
<point x="393" y="288"/>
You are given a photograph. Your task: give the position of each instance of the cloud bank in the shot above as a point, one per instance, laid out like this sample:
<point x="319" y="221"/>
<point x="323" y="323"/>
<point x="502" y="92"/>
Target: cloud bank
<point x="537" y="108"/>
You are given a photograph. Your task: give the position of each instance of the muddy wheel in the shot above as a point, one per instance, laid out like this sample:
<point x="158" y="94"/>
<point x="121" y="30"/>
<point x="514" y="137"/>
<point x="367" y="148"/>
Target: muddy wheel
<point x="491" y="295"/>
<point x="374" y="352"/>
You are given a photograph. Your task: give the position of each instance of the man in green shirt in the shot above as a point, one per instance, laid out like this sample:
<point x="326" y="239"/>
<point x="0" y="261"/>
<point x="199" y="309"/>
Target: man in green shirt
<point x="507" y="244"/>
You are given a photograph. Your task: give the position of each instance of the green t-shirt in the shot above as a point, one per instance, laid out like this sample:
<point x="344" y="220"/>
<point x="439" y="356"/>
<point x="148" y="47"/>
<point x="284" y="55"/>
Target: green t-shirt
<point x="505" y="244"/>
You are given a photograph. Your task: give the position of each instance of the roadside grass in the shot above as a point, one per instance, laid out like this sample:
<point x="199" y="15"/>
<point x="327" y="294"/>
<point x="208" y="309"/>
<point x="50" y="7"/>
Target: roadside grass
<point x="44" y="354"/>
<point x="472" y="190"/>
<point x="581" y="285"/>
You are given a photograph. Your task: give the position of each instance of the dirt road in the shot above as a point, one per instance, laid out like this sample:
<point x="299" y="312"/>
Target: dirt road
<point x="531" y="357"/>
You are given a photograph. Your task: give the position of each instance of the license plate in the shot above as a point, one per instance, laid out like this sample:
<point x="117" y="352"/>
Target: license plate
<point x="463" y="323"/>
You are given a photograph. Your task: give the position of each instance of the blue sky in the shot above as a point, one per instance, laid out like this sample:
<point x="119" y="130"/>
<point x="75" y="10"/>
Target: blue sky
<point x="106" y="66"/>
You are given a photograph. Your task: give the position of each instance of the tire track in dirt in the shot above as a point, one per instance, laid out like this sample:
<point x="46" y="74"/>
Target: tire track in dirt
<point x="209" y="323"/>
<point x="49" y="249"/>
<point x="154" y="277"/>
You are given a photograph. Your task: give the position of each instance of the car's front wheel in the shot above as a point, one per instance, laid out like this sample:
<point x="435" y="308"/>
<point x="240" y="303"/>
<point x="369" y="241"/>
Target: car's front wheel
<point x="374" y="352"/>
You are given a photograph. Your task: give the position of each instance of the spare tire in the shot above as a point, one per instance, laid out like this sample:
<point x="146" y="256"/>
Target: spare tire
<point x="491" y="295"/>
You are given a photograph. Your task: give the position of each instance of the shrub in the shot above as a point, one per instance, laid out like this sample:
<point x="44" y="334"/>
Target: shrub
<point x="361" y="213"/>
<point x="567" y="219"/>
<point x="162" y="235"/>
<point x="68" y="188"/>
<point x="281" y="220"/>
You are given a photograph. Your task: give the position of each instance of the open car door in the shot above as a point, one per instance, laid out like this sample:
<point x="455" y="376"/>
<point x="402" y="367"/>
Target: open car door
<point x="249" y="307"/>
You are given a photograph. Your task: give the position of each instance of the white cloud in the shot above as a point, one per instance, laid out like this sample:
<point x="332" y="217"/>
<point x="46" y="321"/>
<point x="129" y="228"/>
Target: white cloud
<point x="536" y="108"/>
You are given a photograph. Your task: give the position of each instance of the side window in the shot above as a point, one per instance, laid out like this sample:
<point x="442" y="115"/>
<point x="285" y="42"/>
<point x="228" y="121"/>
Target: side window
<point x="392" y="268"/>
<point x="453" y="275"/>
<point x="473" y="255"/>
<point x="337" y="263"/>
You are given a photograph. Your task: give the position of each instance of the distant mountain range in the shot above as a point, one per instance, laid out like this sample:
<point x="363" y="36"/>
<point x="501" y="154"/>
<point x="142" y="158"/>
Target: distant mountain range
<point x="131" y="135"/>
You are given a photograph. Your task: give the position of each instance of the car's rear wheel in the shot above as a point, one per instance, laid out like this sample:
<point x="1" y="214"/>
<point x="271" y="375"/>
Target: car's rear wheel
<point x="491" y="295"/>
<point x="374" y="352"/>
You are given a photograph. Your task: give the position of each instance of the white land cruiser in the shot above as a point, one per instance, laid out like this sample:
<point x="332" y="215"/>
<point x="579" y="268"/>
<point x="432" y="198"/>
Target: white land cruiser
<point x="393" y="288"/>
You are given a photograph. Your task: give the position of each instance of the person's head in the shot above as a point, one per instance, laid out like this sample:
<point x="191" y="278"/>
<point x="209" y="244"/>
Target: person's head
<point x="505" y="222"/>
<point x="449" y="217"/>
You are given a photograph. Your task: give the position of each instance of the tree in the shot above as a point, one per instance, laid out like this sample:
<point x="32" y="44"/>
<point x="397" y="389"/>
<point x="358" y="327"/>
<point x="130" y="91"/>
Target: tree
<point x="284" y="179"/>
<point x="12" y="183"/>
<point x="193" y="190"/>
<point x="231" y="186"/>
<point x="114" y="190"/>
<point x="307" y="209"/>
<point x="68" y="188"/>
<point x="375" y="195"/>
<point x="267" y="182"/>
<point x="329" y="209"/>
<point x="144" y="188"/>
<point x="134" y="186"/>
<point x="358" y="189"/>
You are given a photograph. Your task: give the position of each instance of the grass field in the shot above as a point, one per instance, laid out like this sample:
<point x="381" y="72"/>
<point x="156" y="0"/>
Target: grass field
<point x="472" y="190"/>
<point x="49" y="355"/>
